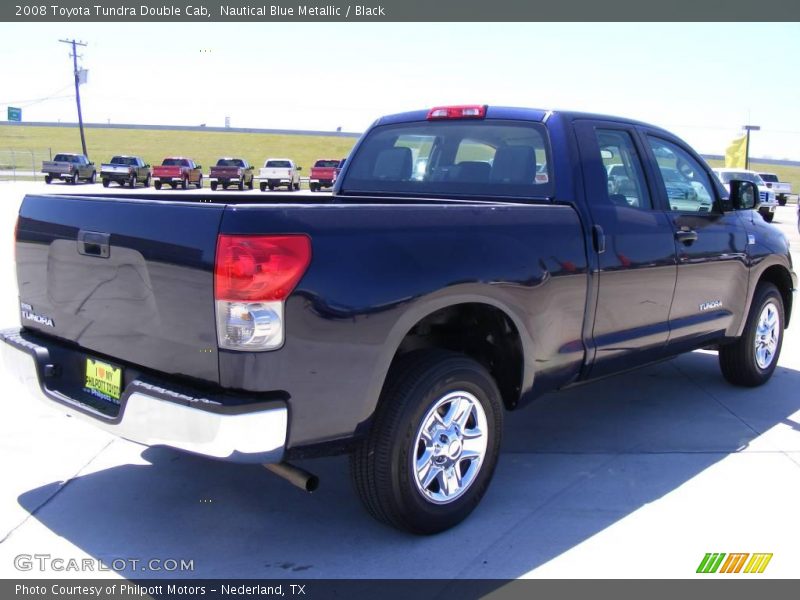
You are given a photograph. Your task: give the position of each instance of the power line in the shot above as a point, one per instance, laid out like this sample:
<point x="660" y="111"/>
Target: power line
<point x="50" y="96"/>
<point x="75" y="43"/>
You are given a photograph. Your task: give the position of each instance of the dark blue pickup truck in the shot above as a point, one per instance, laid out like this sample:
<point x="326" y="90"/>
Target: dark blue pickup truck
<point x="469" y="259"/>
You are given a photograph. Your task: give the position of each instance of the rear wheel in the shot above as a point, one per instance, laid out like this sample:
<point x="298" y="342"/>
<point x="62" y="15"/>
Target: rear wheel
<point x="157" y="185"/>
<point x="185" y="183"/>
<point x="250" y="185"/>
<point x="262" y="187"/>
<point x="132" y="181"/>
<point x="241" y="184"/>
<point x="213" y="186"/>
<point x="147" y="181"/>
<point x="433" y="445"/>
<point x="74" y="179"/>
<point x="752" y="358"/>
<point x="48" y="180"/>
<point x="782" y="200"/>
<point x="93" y="178"/>
<point x="105" y="182"/>
<point x="768" y="216"/>
<point x="200" y="183"/>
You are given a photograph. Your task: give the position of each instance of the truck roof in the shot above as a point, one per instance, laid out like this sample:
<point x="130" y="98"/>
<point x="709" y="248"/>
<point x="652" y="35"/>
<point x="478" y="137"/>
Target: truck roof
<point x="539" y="115"/>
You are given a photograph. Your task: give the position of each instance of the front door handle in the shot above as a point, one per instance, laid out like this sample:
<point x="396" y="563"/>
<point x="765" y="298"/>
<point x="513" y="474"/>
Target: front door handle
<point x="686" y="236"/>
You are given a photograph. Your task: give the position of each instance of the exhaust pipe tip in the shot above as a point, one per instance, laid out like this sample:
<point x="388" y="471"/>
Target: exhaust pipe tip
<point x="308" y="482"/>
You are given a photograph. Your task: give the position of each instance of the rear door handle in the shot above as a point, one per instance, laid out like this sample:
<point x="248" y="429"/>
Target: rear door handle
<point x="686" y="236"/>
<point x="94" y="243"/>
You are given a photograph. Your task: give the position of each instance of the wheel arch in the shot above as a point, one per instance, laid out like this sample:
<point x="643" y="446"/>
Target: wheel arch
<point x="498" y="340"/>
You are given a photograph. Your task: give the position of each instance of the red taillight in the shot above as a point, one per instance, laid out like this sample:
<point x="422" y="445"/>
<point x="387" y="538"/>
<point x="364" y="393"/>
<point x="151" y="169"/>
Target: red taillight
<point x="252" y="268"/>
<point x="466" y="111"/>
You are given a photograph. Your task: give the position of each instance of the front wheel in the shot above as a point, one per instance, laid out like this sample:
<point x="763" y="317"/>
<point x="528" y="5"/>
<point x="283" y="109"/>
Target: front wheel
<point x="433" y="445"/>
<point x="752" y="358"/>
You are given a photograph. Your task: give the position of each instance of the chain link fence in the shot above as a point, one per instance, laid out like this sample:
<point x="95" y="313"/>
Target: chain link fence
<point x="23" y="165"/>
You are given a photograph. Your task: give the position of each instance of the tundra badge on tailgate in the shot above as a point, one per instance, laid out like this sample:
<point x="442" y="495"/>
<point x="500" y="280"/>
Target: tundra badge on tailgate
<point x="29" y="315"/>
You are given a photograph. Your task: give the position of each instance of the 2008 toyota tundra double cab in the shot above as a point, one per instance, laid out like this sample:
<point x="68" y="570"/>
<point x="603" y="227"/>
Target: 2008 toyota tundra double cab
<point x="469" y="259"/>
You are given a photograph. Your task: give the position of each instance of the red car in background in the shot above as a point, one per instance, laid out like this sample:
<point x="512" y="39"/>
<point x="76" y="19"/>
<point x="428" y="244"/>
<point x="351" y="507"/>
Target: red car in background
<point x="178" y="171"/>
<point x="323" y="174"/>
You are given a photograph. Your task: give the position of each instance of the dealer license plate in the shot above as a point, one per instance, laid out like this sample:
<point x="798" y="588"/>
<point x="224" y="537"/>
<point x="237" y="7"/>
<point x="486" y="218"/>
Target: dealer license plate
<point x="103" y="380"/>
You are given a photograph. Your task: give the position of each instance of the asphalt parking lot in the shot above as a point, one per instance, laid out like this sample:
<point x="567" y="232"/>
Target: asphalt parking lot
<point x="638" y="475"/>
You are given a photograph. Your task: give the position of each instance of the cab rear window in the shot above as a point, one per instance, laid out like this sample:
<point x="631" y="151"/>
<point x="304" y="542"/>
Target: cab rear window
<point x="459" y="157"/>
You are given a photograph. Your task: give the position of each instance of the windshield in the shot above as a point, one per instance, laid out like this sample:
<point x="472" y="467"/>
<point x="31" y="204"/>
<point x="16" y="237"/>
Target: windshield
<point x="453" y="157"/>
<point x="175" y="162"/>
<point x="328" y="164"/>
<point x="727" y="176"/>
<point x="769" y="177"/>
<point x="279" y="164"/>
<point x="230" y="162"/>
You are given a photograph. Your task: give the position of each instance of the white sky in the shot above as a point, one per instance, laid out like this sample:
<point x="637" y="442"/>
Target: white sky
<point x="701" y="81"/>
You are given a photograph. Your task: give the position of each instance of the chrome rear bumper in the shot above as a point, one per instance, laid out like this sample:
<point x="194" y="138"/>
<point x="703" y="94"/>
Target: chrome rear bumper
<point x="156" y="416"/>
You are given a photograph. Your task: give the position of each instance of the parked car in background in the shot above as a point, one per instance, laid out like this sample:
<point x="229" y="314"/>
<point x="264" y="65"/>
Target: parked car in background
<point x="322" y="174"/>
<point x="231" y="171"/>
<point x="124" y="170"/>
<point x="277" y="172"/>
<point x="782" y="189"/>
<point x="178" y="171"/>
<point x="767" y="202"/>
<point x="70" y="168"/>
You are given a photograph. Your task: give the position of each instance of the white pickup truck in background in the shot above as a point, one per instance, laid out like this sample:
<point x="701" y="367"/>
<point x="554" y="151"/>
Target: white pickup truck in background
<point x="782" y="189"/>
<point x="277" y="172"/>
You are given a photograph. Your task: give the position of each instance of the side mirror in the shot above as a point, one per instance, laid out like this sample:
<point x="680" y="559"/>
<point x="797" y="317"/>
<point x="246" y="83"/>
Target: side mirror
<point x="147" y="166"/>
<point x="200" y="167"/>
<point x="299" y="168"/>
<point x="744" y="194"/>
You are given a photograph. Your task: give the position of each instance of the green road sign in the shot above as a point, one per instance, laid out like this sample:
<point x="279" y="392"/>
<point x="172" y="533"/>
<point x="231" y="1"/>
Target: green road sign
<point x="14" y="114"/>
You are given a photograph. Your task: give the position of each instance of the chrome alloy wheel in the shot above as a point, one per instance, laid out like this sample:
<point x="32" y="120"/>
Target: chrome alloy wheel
<point x="768" y="333"/>
<point x="450" y="447"/>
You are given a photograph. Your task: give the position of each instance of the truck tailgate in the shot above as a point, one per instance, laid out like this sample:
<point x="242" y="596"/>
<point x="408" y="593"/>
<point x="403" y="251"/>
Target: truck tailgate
<point x="129" y="279"/>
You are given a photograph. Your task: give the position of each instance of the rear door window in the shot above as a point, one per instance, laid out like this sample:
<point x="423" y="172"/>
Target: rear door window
<point x="475" y="158"/>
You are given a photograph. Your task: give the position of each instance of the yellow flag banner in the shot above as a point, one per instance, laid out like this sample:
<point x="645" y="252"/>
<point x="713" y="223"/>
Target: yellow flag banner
<point x="736" y="153"/>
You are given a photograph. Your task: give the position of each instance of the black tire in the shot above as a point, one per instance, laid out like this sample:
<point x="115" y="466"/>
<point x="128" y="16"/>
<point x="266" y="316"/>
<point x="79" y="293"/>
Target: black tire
<point x="105" y="182"/>
<point x="383" y="466"/>
<point x="241" y="184"/>
<point x="213" y="186"/>
<point x="297" y="186"/>
<point x="224" y="186"/>
<point x="132" y="182"/>
<point x="250" y="185"/>
<point x="74" y="179"/>
<point x="782" y="200"/>
<point x="200" y="183"/>
<point x="93" y="178"/>
<point x="147" y="181"/>
<point x="312" y="187"/>
<point x="48" y="180"/>
<point x="185" y="183"/>
<point x="157" y="185"/>
<point x="739" y="360"/>
<point x="768" y="216"/>
<point x="262" y="186"/>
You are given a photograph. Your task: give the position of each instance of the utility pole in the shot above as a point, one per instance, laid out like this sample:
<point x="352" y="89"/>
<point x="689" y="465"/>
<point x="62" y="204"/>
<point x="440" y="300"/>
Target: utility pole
<point x="748" y="129"/>
<point x="77" y="87"/>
